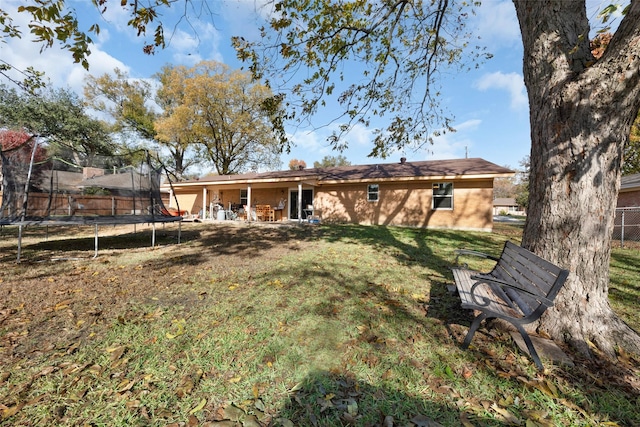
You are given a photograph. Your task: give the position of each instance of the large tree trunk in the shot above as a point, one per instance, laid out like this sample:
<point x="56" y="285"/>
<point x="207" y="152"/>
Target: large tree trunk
<point x="581" y="113"/>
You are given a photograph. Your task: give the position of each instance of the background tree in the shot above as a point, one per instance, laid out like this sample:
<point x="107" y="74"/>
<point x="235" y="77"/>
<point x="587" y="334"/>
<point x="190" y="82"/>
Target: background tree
<point x="522" y="192"/>
<point x="295" y="164"/>
<point x="17" y="148"/>
<point x="127" y="101"/>
<point x="59" y="118"/>
<point x="632" y="150"/>
<point x="631" y="155"/>
<point x="504" y="187"/>
<point x="329" y="161"/>
<point x="174" y="126"/>
<point x="226" y="115"/>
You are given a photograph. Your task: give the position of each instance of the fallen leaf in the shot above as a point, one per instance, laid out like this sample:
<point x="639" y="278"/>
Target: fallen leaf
<point x="352" y="407"/>
<point x="423" y="421"/>
<point x="508" y="416"/>
<point x="251" y="421"/>
<point x="11" y="411"/>
<point x="449" y="372"/>
<point x="198" y="407"/>
<point x="234" y="413"/>
<point x="467" y="373"/>
<point x="62" y="305"/>
<point x="116" y="352"/>
<point x="125" y="385"/>
<point x="464" y="420"/>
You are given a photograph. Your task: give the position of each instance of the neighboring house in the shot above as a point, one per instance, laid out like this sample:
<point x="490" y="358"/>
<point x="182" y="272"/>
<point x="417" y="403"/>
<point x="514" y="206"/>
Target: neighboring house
<point x="629" y="195"/>
<point x="627" y="220"/>
<point x="506" y="205"/>
<point x="454" y="194"/>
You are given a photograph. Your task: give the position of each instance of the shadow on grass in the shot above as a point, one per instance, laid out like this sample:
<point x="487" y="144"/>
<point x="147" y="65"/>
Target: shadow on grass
<point x="311" y="402"/>
<point x="329" y="399"/>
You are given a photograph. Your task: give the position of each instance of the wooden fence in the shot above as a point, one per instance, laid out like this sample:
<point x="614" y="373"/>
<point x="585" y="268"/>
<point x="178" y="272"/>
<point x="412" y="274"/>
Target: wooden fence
<point x="45" y="205"/>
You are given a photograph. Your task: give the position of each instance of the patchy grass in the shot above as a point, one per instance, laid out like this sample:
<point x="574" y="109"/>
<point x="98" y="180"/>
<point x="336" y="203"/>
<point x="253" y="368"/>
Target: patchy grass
<point x="304" y="326"/>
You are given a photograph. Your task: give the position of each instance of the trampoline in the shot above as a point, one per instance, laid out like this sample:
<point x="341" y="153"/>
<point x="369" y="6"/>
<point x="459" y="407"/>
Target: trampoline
<point x="42" y="190"/>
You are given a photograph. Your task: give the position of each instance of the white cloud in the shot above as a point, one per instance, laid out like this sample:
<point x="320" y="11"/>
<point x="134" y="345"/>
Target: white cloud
<point x="191" y="48"/>
<point x="497" y="24"/>
<point x="451" y="145"/>
<point x="513" y="83"/>
<point x="56" y="62"/>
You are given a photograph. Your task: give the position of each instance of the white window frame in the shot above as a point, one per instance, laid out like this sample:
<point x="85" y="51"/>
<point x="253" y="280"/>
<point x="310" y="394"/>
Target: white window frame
<point x="436" y="194"/>
<point x="245" y="198"/>
<point x="371" y="191"/>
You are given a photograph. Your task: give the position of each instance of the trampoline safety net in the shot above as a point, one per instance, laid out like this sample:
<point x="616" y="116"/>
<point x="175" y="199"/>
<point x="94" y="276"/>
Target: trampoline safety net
<point x="37" y="189"/>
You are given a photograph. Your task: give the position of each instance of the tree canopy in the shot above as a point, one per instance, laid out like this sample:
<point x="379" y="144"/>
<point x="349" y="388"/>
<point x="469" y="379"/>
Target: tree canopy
<point x="59" y="118"/>
<point x="126" y="100"/>
<point x="328" y="161"/>
<point x="223" y="112"/>
<point x="397" y="48"/>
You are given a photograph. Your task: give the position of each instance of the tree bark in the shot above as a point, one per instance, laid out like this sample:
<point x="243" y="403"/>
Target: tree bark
<point x="581" y="112"/>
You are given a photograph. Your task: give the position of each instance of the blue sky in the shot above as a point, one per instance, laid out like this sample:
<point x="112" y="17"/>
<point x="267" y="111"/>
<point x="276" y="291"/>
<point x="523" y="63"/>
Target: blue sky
<point x="489" y="103"/>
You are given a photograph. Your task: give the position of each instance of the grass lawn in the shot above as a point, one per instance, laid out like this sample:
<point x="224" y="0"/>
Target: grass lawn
<point x="278" y="326"/>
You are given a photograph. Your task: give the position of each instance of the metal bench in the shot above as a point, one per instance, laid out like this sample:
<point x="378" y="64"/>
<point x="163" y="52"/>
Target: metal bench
<point x="519" y="289"/>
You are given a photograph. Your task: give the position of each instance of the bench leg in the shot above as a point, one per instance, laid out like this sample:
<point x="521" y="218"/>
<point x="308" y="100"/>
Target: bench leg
<point x="472" y="330"/>
<point x="532" y="349"/>
<point x="525" y="336"/>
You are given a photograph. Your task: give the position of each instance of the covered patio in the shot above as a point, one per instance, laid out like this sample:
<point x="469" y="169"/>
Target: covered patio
<point x="246" y="197"/>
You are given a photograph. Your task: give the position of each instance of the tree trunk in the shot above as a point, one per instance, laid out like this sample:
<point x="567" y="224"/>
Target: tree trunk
<point x="581" y="113"/>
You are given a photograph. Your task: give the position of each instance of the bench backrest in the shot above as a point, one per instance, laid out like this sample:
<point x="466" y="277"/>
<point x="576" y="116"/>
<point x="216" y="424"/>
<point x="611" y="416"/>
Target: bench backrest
<point x="528" y="271"/>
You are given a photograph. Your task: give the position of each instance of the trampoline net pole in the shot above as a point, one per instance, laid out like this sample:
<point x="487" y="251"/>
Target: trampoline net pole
<point x="95" y="241"/>
<point x="19" y="243"/>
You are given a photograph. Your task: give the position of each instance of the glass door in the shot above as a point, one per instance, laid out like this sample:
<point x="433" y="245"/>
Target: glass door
<point x="307" y="200"/>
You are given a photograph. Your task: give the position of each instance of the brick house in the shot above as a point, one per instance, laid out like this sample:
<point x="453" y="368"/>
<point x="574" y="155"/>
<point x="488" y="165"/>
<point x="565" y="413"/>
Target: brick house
<point x="456" y="194"/>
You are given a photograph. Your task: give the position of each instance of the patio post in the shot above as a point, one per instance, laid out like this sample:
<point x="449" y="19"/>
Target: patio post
<point x="204" y="202"/>
<point x="300" y="202"/>
<point x="249" y="202"/>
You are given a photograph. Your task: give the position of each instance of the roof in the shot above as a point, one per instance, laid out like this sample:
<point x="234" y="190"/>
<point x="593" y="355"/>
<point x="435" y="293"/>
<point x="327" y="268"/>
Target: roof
<point x="60" y="181"/>
<point x="118" y="181"/>
<point x="449" y="169"/>
<point x="505" y="201"/>
<point x="630" y="182"/>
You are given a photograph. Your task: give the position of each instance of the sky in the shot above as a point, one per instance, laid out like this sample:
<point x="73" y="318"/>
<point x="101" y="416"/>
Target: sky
<point x="489" y="103"/>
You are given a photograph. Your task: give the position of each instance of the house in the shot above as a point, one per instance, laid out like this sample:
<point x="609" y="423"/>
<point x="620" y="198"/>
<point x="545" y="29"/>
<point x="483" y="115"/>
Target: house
<point x="506" y="206"/>
<point x="629" y="194"/>
<point x="455" y="194"/>
<point x="627" y="220"/>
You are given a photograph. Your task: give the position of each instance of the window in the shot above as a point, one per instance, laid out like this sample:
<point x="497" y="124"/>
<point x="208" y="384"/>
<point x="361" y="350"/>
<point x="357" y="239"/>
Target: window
<point x="243" y="197"/>
<point x="442" y="195"/>
<point x="372" y="192"/>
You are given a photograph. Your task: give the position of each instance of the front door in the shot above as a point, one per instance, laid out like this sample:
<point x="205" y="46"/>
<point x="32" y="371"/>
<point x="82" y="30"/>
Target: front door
<point x="307" y="199"/>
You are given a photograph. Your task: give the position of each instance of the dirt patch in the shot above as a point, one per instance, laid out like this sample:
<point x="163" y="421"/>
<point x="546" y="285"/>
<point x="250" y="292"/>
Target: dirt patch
<point x="59" y="290"/>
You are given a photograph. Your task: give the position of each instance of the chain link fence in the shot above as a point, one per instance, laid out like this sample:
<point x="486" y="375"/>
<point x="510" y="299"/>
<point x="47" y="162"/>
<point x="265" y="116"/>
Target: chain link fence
<point x="627" y="225"/>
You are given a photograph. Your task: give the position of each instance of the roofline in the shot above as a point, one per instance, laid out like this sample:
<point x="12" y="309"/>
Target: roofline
<point x="334" y="176"/>
<point x="242" y="181"/>
<point x="318" y="181"/>
<point x="417" y="178"/>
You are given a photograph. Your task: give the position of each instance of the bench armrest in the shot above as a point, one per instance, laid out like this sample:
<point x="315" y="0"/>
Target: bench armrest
<point x="465" y="252"/>
<point x="482" y="278"/>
